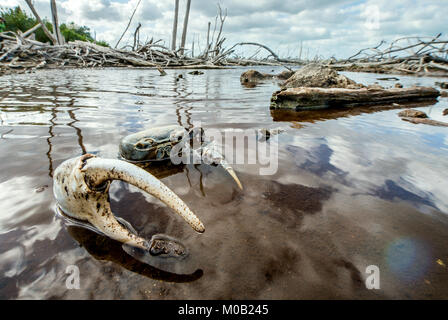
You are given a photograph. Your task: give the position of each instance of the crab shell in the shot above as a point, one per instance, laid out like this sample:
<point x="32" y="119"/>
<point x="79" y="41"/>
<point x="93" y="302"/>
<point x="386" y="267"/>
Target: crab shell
<point x="154" y="144"/>
<point x="157" y="143"/>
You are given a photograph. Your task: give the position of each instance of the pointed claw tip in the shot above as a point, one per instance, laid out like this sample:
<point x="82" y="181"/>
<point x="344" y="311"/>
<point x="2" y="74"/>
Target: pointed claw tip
<point x="199" y="228"/>
<point x="235" y="177"/>
<point x="239" y="184"/>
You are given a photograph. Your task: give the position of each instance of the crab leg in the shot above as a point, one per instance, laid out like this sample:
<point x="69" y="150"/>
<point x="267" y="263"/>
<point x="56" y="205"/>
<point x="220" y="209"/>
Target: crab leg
<point x="230" y="170"/>
<point x="212" y="154"/>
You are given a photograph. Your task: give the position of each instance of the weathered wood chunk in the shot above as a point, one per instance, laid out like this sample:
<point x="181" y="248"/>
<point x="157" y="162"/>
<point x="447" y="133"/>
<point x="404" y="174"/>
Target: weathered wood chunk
<point x="315" y="75"/>
<point x="425" y="121"/>
<point x="317" y="98"/>
<point x="412" y="113"/>
<point x="254" y="76"/>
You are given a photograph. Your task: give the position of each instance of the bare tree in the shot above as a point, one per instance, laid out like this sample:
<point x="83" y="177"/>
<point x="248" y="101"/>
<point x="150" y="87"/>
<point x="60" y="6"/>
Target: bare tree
<point x="176" y="14"/>
<point x="129" y="23"/>
<point x="222" y="18"/>
<point x="136" y="37"/>
<point x="47" y="32"/>
<point x="184" y="31"/>
<point x="207" y="48"/>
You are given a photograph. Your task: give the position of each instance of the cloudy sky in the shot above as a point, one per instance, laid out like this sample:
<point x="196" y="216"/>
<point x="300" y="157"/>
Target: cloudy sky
<point x="324" y="27"/>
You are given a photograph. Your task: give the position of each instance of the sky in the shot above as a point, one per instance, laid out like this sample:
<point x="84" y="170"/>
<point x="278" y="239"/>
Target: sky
<point x="322" y="28"/>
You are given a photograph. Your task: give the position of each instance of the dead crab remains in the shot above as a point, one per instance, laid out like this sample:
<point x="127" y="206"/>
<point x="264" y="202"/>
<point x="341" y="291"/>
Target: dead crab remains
<point x="81" y="185"/>
<point x="168" y="142"/>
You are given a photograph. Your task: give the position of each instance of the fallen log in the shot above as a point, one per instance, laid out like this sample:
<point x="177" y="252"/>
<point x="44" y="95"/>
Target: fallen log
<point x="438" y="66"/>
<point x="304" y="98"/>
<point x="425" y="121"/>
<point x="30" y="31"/>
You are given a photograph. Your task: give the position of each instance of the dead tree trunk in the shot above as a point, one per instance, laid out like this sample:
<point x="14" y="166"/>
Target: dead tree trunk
<point x="136" y="40"/>
<point x="222" y="18"/>
<point x="184" y="31"/>
<point x="54" y="16"/>
<point x="176" y="14"/>
<point x="207" y="47"/>
<point x="36" y="15"/>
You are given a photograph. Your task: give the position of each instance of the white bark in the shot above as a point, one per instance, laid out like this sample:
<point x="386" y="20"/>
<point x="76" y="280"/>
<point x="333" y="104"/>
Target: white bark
<point x="184" y="31"/>
<point x="176" y="14"/>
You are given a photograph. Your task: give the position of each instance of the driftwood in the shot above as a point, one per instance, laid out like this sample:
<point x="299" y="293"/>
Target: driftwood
<point x="408" y="55"/>
<point x="129" y="23"/>
<point x="136" y="37"/>
<point x="417" y="117"/>
<point x="425" y="121"/>
<point x="30" y="31"/>
<point x="20" y="53"/>
<point x="36" y="15"/>
<point x="253" y="76"/>
<point x="318" y="98"/>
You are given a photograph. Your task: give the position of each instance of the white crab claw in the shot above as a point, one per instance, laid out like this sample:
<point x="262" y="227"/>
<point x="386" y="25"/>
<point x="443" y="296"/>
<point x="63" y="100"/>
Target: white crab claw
<point x="81" y="187"/>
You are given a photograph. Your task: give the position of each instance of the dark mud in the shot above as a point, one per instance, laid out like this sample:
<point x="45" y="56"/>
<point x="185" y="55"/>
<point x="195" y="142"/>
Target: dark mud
<point x="353" y="188"/>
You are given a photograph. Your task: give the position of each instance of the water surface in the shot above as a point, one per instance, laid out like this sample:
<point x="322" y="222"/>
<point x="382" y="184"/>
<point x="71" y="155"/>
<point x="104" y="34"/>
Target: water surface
<point x="352" y="189"/>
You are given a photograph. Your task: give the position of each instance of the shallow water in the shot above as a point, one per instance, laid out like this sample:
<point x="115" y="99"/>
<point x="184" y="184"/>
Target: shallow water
<point x="352" y="189"/>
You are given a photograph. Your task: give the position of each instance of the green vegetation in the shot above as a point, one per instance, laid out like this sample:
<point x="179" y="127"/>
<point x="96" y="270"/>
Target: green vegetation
<point x="17" y="19"/>
<point x="2" y="26"/>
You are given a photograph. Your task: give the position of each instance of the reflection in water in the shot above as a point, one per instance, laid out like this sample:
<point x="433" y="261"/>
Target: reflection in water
<point x="329" y="114"/>
<point x="104" y="248"/>
<point x="354" y="187"/>
<point x="295" y="201"/>
<point x="317" y="159"/>
<point x="71" y="113"/>
<point x="161" y="169"/>
<point x="391" y="190"/>
<point x="50" y="146"/>
<point x="78" y="130"/>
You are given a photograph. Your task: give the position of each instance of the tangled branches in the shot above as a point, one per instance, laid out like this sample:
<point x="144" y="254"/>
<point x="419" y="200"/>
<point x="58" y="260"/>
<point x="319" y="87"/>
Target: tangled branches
<point x="408" y="55"/>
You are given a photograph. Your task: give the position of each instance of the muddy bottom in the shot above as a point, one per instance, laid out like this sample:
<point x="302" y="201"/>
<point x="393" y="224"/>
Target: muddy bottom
<point x="348" y="189"/>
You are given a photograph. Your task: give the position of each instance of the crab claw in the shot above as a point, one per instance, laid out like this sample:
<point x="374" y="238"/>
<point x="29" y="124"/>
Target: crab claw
<point x="211" y="154"/>
<point x="230" y="170"/>
<point x="81" y="187"/>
